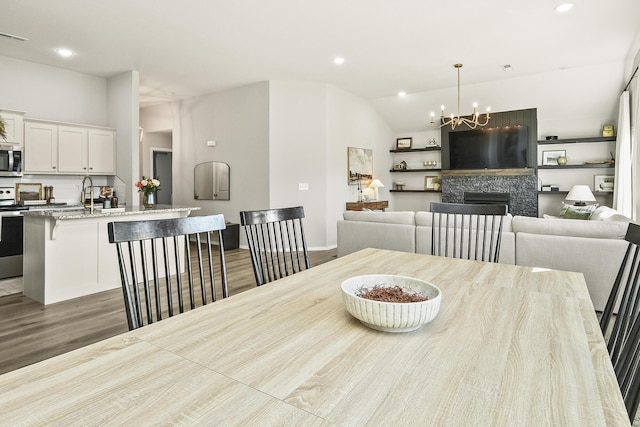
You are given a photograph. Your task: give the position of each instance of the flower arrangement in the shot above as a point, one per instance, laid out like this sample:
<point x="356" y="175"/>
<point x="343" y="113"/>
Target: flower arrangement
<point x="148" y="185"/>
<point x="3" y="129"/>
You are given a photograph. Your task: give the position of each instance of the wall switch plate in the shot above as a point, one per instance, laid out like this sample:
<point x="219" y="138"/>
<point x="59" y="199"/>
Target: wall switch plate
<point x="211" y="143"/>
<point x="303" y="186"/>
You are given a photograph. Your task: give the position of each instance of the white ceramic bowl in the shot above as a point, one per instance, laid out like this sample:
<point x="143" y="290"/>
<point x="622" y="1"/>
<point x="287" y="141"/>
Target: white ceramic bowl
<point x="390" y="316"/>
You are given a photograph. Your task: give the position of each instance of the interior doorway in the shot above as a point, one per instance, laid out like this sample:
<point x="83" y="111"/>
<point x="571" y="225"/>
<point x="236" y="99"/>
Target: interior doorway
<point x="162" y="161"/>
<point x="156" y="161"/>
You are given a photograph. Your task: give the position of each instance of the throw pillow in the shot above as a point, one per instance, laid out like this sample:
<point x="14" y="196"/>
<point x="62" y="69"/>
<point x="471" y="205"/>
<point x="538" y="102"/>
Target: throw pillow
<point x="602" y="213"/>
<point x="577" y="212"/>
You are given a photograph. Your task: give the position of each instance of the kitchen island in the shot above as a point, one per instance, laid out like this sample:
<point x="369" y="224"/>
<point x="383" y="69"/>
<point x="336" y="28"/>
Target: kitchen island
<point x="67" y="253"/>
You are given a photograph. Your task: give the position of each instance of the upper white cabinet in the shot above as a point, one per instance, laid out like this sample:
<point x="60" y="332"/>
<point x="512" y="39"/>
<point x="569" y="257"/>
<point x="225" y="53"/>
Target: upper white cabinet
<point x="41" y="147"/>
<point x="102" y="151"/>
<point x="14" y="126"/>
<point x="74" y="149"/>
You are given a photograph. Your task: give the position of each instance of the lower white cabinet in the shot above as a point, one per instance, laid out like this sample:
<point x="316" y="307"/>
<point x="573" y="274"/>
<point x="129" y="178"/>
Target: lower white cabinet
<point x="62" y="148"/>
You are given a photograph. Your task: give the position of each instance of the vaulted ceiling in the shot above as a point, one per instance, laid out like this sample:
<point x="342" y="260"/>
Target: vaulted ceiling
<point x="195" y="47"/>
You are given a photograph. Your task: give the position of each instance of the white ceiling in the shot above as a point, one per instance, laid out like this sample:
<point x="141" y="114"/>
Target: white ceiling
<point x="194" y="47"/>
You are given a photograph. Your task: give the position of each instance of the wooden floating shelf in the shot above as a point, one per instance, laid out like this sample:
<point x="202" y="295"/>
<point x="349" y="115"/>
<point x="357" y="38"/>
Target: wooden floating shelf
<point x="577" y="140"/>
<point x="565" y="192"/>
<point x="583" y="166"/>
<point x="415" y="170"/>
<point x="415" y="191"/>
<point x="413" y="150"/>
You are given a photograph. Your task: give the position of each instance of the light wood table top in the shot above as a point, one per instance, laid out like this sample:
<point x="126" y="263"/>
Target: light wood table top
<point x="510" y="346"/>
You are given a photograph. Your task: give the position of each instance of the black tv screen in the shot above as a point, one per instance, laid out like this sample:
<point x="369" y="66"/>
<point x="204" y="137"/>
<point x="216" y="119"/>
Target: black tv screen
<point x="495" y="148"/>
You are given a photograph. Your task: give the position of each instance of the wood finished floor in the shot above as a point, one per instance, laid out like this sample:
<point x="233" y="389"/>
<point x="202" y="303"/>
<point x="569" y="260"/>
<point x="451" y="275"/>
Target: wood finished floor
<point x="31" y="332"/>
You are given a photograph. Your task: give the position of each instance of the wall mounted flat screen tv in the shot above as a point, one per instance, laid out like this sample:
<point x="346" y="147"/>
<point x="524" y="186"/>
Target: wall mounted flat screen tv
<point x="495" y="148"/>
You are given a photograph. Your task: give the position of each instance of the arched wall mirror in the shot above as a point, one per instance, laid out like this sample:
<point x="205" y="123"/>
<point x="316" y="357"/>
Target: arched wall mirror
<point x="211" y="181"/>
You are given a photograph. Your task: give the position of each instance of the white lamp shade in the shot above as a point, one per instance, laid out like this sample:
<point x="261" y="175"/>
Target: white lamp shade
<point x="375" y="184"/>
<point x="580" y="193"/>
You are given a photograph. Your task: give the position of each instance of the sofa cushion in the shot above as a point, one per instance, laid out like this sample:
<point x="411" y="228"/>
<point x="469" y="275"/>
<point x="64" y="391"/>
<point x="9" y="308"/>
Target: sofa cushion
<point x="407" y="218"/>
<point x="570" y="227"/>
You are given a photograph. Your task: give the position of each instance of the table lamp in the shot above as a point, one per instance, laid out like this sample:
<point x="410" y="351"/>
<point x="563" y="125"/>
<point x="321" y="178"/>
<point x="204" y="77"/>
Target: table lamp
<point x="375" y="184"/>
<point x="580" y="194"/>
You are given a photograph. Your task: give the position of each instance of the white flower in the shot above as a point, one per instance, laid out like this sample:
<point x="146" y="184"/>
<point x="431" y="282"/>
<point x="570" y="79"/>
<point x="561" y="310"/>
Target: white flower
<point x="143" y="182"/>
<point x="155" y="182"/>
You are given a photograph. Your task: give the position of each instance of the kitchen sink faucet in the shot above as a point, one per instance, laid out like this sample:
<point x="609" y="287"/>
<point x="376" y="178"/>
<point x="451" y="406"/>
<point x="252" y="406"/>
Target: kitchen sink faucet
<point x="83" y="194"/>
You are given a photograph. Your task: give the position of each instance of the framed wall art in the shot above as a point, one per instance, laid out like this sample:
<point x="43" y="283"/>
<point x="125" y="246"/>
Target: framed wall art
<point x="404" y="143"/>
<point x="550" y="158"/>
<point x="604" y="183"/>
<point x="28" y="191"/>
<point x="429" y="182"/>
<point x="359" y="166"/>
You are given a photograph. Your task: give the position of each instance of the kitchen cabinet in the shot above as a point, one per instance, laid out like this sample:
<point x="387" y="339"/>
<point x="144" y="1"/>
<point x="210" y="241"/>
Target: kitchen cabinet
<point x="71" y="149"/>
<point x="102" y="151"/>
<point x="13" y="126"/>
<point x="41" y="147"/>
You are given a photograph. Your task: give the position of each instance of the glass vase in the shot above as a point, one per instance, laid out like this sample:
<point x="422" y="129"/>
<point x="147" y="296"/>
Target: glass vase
<point x="148" y="200"/>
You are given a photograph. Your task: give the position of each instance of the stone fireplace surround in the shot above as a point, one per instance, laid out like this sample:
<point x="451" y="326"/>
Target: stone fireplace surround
<point x="522" y="189"/>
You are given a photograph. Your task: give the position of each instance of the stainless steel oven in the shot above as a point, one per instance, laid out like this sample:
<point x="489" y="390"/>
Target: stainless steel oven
<point x="11" y="234"/>
<point x="10" y="160"/>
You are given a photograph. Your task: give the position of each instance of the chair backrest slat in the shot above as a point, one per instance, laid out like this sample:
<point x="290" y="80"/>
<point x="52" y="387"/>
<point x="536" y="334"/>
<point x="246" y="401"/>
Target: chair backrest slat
<point x="476" y="230"/>
<point x="137" y="246"/>
<point x="623" y="340"/>
<point x="276" y="242"/>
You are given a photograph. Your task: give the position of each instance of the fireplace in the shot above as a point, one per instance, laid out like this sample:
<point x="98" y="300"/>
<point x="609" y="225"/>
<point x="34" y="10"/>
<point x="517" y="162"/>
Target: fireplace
<point x="487" y="198"/>
<point x="519" y="191"/>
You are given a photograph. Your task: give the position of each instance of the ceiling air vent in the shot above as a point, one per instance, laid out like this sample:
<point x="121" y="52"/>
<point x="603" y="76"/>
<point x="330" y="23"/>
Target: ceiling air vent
<point x="13" y="37"/>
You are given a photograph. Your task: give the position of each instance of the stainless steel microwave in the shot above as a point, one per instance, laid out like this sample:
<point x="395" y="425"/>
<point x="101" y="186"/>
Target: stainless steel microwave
<point x="10" y="160"/>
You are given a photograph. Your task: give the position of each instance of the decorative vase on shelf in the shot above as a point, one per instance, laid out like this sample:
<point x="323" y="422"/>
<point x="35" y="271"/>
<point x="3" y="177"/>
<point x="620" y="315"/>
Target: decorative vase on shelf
<point x="562" y="160"/>
<point x="148" y="200"/>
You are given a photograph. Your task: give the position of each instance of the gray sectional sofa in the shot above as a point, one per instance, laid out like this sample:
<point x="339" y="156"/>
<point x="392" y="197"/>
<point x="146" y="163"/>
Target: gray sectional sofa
<point x="592" y="247"/>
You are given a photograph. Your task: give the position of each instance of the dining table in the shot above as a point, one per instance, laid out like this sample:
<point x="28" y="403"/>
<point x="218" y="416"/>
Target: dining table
<point x="510" y="346"/>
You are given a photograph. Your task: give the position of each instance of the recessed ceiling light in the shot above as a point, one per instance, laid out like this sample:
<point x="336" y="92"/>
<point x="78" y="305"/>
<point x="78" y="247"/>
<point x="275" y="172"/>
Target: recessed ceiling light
<point x="338" y="60"/>
<point x="64" y="52"/>
<point x="402" y="93"/>
<point x="507" y="67"/>
<point x="565" y="7"/>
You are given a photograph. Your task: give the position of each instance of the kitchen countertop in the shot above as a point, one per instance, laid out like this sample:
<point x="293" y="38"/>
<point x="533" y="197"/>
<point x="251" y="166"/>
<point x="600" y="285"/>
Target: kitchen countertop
<point x="69" y="212"/>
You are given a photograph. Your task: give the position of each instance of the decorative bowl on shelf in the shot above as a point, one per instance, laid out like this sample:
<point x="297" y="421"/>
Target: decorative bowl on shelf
<point x="391" y="316"/>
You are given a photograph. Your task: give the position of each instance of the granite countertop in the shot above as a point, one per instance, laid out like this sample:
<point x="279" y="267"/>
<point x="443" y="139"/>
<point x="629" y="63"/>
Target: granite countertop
<point x="77" y="212"/>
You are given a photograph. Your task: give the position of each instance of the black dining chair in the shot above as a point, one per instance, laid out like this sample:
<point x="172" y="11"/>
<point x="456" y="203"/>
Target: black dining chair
<point x="624" y="338"/>
<point x="276" y="242"/>
<point x="153" y="252"/>
<point x="469" y="231"/>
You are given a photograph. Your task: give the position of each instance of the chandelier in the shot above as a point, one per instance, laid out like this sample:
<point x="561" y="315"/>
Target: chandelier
<point x="455" y="121"/>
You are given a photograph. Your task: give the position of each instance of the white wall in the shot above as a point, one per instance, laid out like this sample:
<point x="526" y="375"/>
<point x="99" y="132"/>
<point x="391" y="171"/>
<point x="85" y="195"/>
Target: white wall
<point x="238" y="120"/>
<point x="297" y="147"/>
<point x="50" y="93"/>
<point x="352" y="122"/>
<point x="124" y="115"/>
<point x="276" y="135"/>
